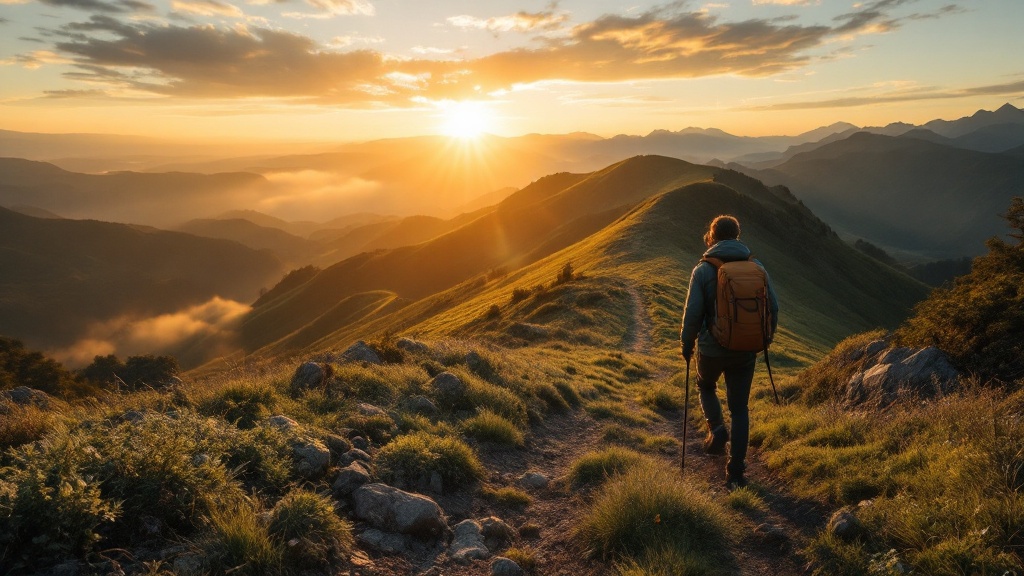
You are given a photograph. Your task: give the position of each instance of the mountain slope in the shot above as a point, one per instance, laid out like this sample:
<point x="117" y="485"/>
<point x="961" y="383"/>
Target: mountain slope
<point x="290" y="249"/>
<point x="905" y="194"/>
<point x="62" y="276"/>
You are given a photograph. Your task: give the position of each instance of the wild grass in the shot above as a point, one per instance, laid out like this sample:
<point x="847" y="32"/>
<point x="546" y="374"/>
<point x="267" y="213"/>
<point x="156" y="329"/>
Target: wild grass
<point x="594" y="468"/>
<point x="415" y="456"/>
<point x="511" y="497"/>
<point x="610" y="409"/>
<point x="487" y="426"/>
<point x="237" y="541"/>
<point x="524" y="556"/>
<point x="312" y="531"/>
<point x="244" y="404"/>
<point x="23" y="424"/>
<point x="746" y="499"/>
<point x="639" y="439"/>
<point x="648" y="516"/>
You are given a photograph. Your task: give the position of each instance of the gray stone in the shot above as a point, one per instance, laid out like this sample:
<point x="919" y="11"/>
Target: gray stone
<point x="844" y="524"/>
<point x="410" y="345"/>
<point x="436" y="483"/>
<point x="468" y="543"/>
<point x="337" y="444"/>
<point x="384" y="541"/>
<point x="200" y="459"/>
<point x="311" y="458"/>
<point x="447" y="386"/>
<point x="23" y="396"/>
<point x="369" y="410"/>
<point x="900" y="372"/>
<point x="360" y="443"/>
<point x="349" y="479"/>
<point x="133" y="416"/>
<point x="394" y="510"/>
<point x="534" y="480"/>
<point x="359" y="352"/>
<point x="422" y="405"/>
<point x="497" y="534"/>
<point x="501" y="566"/>
<point x="283" y="423"/>
<point x="188" y="564"/>
<point x="308" y="376"/>
<point x="357" y="454"/>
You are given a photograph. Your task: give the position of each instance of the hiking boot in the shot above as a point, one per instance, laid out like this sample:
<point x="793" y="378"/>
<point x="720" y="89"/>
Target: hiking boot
<point x="734" y="481"/>
<point x="714" y="444"/>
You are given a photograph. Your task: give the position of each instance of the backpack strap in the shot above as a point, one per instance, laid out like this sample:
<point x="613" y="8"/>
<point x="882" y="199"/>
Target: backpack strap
<point x="716" y="262"/>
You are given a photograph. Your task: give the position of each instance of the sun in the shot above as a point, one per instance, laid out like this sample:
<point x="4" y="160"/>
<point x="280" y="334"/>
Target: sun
<point x="466" y="119"/>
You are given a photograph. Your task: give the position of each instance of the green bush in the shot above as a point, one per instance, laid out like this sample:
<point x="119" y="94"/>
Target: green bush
<point x="259" y="458"/>
<point x="651" y="508"/>
<point x="244" y="404"/>
<point x="487" y="426"/>
<point x="596" y="467"/>
<point x="312" y="531"/>
<point x="415" y="456"/>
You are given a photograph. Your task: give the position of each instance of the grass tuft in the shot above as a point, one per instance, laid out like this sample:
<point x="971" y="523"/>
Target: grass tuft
<point x="490" y="427"/>
<point x="312" y="532"/>
<point x="594" y="468"/>
<point x="413" y="457"/>
<point x="511" y="497"/>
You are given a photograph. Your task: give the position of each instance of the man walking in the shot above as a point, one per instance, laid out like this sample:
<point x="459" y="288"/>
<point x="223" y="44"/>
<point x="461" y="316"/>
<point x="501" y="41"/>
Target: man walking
<point x="715" y="359"/>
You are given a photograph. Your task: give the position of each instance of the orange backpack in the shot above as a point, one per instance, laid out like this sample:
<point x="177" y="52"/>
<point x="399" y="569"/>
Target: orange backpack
<point x="742" y="319"/>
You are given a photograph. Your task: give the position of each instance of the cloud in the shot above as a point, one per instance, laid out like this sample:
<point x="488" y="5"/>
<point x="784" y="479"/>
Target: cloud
<point x="204" y="61"/>
<point x="906" y="95"/>
<point x="207" y="8"/>
<point x="518" y="22"/>
<point x="309" y="194"/>
<point x="116" y="7"/>
<point x="787" y="2"/>
<point x="332" y="8"/>
<point x="35" y="59"/>
<point x="129" y="335"/>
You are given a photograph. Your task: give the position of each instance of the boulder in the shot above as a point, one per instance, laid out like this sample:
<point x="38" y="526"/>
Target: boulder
<point x="447" y="385"/>
<point x="283" y="423"/>
<point x="900" y="372"/>
<point x="422" y="405"/>
<point x="349" y="479"/>
<point x="311" y="457"/>
<point x="410" y="345"/>
<point x="501" y="566"/>
<point x="844" y="524"/>
<point x="24" y="396"/>
<point x="468" y="543"/>
<point x="360" y="352"/>
<point x="309" y="376"/>
<point x="365" y="409"/>
<point x="360" y="443"/>
<point x="384" y="541"/>
<point x="534" y="480"/>
<point x="497" y="534"/>
<point x="337" y="444"/>
<point x="394" y="510"/>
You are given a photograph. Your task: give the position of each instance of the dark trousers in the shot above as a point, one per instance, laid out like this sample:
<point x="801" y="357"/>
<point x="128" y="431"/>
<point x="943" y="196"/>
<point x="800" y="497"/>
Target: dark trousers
<point x="739" y="373"/>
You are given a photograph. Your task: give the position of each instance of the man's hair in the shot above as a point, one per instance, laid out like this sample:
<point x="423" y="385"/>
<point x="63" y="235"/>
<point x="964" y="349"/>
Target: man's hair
<point x="724" y="227"/>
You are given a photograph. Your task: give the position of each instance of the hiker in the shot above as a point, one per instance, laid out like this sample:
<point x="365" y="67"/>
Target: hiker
<point x="714" y="359"/>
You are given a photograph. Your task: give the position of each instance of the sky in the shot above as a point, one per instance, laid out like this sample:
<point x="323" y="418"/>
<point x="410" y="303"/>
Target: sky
<point x="355" y="70"/>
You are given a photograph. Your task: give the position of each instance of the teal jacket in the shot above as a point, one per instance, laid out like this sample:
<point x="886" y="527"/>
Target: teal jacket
<point x="700" y="300"/>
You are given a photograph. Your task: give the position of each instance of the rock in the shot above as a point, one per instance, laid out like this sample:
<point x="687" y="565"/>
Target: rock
<point x="436" y="483"/>
<point x="309" y="376"/>
<point x="337" y="444"/>
<point x="360" y="443"/>
<point x="359" y="352"/>
<point x="394" y="510"/>
<point x="773" y="536"/>
<point x="369" y="410"/>
<point x="283" y="423"/>
<point x="133" y="416"/>
<point x="447" y="386"/>
<point x="410" y="345"/>
<point x="501" y="566"/>
<point x="496" y="533"/>
<point x="422" y="405"/>
<point x="188" y="564"/>
<point x="468" y="543"/>
<point x="844" y="524"/>
<point x="349" y="479"/>
<point x="528" y="331"/>
<point x="357" y="454"/>
<point x="534" y="480"/>
<point x="900" y="372"/>
<point x="69" y="568"/>
<point x="311" y="458"/>
<point x="383" y="541"/>
<point x="23" y="396"/>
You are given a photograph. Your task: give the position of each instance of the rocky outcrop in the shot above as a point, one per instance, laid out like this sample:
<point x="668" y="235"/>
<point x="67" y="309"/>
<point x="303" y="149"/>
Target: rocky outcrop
<point x="310" y="376"/>
<point x="25" y="396"/>
<point x="393" y="510"/>
<point x="902" y="372"/>
<point x="447" y="386"/>
<point x="360" y="352"/>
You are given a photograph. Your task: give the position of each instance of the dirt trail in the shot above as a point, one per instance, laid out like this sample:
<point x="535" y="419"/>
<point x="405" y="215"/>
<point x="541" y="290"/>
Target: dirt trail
<point x="639" y="336"/>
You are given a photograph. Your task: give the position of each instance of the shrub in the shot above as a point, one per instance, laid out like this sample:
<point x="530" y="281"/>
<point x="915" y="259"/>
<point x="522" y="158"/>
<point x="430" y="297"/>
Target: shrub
<point x="565" y="274"/>
<point x="519" y="294"/>
<point x="511" y="497"/>
<point x="415" y="456"/>
<point x="49" y="507"/>
<point x="236" y="541"/>
<point x="493" y="312"/>
<point x="365" y="383"/>
<point x="23" y="424"/>
<point x="313" y="532"/>
<point x="244" y="404"/>
<point x="595" y="467"/>
<point x="650" y="507"/>
<point x="526" y="558"/>
<point x="22" y="367"/>
<point x="260" y="458"/>
<point x="386" y="349"/>
<point x="490" y="427"/>
<point x="376" y="427"/>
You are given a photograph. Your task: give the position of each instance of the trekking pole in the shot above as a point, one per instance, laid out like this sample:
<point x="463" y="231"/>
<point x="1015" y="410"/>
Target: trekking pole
<point x="686" y="409"/>
<point x="770" y="379"/>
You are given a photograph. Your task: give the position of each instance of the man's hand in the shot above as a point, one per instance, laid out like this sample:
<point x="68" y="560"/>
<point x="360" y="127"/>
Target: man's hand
<point x="687" y="352"/>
